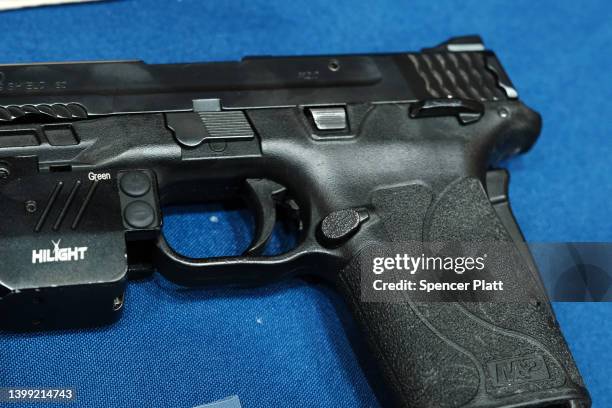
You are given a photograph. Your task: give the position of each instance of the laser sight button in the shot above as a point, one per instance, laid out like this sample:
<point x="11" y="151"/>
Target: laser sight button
<point x="135" y="183"/>
<point x="139" y="203"/>
<point x="139" y="214"/>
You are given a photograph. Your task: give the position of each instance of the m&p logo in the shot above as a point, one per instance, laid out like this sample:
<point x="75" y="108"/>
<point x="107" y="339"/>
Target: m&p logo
<point x="518" y="370"/>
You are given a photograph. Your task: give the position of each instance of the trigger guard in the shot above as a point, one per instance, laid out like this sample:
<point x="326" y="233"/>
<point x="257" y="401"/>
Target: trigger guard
<point x="241" y="271"/>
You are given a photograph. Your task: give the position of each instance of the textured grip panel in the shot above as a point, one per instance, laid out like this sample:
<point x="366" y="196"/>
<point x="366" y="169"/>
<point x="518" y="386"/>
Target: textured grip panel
<point x="462" y="354"/>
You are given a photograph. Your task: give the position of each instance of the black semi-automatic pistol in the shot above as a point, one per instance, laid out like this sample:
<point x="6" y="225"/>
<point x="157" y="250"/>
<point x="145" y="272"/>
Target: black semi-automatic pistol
<point x="359" y="149"/>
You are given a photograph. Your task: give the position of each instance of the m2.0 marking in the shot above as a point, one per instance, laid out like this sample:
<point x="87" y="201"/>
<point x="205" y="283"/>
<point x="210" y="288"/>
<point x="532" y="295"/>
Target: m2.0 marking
<point x="309" y="75"/>
<point x="58" y="254"/>
<point x="518" y="370"/>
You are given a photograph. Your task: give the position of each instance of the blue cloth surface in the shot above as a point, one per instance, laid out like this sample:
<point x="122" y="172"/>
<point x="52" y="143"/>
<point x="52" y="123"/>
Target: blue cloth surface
<point x="286" y="344"/>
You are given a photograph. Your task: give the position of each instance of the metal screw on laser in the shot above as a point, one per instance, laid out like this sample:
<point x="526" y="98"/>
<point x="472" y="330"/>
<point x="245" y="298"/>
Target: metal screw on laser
<point x="31" y="206"/>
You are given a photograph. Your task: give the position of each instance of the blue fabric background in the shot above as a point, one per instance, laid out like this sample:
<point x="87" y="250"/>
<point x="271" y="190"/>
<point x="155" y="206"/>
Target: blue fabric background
<point x="284" y="345"/>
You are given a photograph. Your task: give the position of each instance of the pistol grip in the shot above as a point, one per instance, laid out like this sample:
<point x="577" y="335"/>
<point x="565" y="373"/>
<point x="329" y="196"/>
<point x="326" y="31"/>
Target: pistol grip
<point x="460" y="354"/>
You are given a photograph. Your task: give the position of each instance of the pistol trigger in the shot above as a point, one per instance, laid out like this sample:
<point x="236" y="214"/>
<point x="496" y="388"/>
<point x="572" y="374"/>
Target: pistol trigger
<point x="264" y="194"/>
